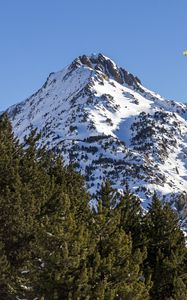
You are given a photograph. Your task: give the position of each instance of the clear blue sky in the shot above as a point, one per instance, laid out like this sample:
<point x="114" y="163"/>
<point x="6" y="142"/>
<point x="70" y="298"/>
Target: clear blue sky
<point x="146" y="37"/>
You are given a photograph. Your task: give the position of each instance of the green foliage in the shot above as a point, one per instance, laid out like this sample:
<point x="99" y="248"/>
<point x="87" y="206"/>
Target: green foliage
<point x="63" y="241"/>
<point x="166" y="260"/>
<point x="53" y="246"/>
<point x="132" y="219"/>
<point x="115" y="266"/>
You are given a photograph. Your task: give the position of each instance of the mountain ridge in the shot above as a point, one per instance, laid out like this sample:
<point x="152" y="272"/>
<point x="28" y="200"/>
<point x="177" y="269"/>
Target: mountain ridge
<point x="102" y="119"/>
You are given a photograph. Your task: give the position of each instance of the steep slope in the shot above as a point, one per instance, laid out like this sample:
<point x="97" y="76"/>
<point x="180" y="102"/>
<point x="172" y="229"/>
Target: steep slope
<point x="101" y="118"/>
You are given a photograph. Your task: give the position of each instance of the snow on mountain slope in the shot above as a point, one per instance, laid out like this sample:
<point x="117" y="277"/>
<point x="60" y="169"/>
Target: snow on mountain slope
<point x="101" y="118"/>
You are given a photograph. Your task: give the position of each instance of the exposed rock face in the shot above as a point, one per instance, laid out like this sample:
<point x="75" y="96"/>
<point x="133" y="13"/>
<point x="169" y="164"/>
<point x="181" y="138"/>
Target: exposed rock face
<point x="109" y="68"/>
<point x="100" y="117"/>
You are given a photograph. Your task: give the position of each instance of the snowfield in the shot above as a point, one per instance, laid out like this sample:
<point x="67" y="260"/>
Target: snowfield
<point x="101" y="118"/>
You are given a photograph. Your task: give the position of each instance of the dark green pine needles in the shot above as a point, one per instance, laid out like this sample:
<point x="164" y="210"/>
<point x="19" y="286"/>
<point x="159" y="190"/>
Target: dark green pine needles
<point x="53" y="246"/>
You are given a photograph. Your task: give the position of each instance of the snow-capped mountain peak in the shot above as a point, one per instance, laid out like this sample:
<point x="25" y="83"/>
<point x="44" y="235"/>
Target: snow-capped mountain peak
<point x="101" y="117"/>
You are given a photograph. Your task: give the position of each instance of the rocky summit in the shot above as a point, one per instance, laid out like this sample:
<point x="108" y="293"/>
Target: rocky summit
<point x="101" y="118"/>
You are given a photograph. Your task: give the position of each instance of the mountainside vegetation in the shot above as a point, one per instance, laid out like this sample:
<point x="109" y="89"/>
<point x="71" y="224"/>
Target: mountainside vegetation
<point x="55" y="246"/>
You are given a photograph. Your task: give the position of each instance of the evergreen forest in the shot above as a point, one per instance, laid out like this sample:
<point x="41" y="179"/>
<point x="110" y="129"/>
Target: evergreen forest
<point x="55" y="246"/>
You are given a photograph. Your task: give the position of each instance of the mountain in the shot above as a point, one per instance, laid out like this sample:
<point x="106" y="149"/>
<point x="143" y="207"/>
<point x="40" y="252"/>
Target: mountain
<point x="101" y="117"/>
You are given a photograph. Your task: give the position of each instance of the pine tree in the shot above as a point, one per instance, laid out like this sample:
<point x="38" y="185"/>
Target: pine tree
<point x="166" y="253"/>
<point x="18" y="211"/>
<point x="63" y="240"/>
<point x="10" y="209"/>
<point x="116" y="270"/>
